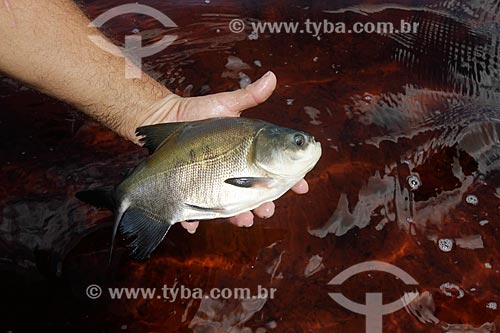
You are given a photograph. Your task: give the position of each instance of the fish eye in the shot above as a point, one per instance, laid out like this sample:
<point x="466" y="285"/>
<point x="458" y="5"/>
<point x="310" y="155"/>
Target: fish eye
<point x="299" y="139"/>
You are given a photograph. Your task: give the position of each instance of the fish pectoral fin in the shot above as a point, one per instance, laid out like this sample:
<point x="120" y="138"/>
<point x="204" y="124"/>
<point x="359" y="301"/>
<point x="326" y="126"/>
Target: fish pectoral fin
<point x="143" y="230"/>
<point x="248" y="182"/>
<point x="205" y="209"/>
<point x="155" y="135"/>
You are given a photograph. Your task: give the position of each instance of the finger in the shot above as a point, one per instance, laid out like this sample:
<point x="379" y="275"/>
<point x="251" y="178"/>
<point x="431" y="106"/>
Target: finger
<point x="190" y="226"/>
<point x="301" y="187"/>
<point x="266" y="210"/>
<point x="237" y="101"/>
<point x="242" y="220"/>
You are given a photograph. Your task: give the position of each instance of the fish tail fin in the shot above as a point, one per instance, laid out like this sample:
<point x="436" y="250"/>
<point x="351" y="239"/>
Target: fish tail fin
<point x="100" y="197"/>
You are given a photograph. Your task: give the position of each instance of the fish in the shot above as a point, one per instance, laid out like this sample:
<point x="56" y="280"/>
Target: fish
<point x="200" y="170"/>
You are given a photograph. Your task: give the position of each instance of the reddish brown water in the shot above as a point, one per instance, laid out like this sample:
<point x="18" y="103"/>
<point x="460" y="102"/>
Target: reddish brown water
<point x="384" y="107"/>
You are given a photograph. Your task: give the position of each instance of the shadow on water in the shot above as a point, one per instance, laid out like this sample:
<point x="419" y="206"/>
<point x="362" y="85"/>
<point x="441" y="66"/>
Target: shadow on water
<point x="409" y="125"/>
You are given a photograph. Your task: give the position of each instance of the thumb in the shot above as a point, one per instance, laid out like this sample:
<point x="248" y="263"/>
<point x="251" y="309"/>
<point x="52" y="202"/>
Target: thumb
<point x="250" y="96"/>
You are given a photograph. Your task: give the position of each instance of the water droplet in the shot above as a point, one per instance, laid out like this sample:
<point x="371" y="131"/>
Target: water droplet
<point x="472" y="200"/>
<point x="413" y="182"/>
<point x="492" y="305"/>
<point x="445" y="244"/>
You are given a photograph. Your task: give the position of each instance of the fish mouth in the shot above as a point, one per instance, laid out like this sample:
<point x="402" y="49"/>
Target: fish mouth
<point x="317" y="152"/>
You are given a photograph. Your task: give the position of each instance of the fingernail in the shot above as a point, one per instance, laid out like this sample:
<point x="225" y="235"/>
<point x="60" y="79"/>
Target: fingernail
<point x="262" y="82"/>
<point x="266" y="75"/>
<point x="267" y="214"/>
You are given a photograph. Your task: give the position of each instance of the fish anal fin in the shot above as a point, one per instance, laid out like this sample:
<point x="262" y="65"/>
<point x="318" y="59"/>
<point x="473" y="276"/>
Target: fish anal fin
<point x="249" y="182"/>
<point x="155" y="135"/>
<point x="143" y="230"/>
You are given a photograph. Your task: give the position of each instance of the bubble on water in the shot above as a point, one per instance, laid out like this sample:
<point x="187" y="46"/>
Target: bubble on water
<point x="472" y="200"/>
<point x="253" y="36"/>
<point x="414" y="182"/>
<point x="290" y="101"/>
<point x="244" y="80"/>
<point x="314" y="114"/>
<point x="272" y="324"/>
<point x="448" y="288"/>
<point x="235" y="64"/>
<point x="445" y="244"/>
<point x="314" y="265"/>
<point x="492" y="305"/>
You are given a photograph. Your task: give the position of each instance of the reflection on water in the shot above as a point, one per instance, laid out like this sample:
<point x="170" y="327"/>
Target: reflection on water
<point x="410" y="125"/>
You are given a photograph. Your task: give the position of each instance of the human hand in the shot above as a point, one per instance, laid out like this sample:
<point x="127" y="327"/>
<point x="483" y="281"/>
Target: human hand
<point x="174" y="108"/>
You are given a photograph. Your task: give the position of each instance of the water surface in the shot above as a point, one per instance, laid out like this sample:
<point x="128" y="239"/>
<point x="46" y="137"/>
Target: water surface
<point x="409" y="125"/>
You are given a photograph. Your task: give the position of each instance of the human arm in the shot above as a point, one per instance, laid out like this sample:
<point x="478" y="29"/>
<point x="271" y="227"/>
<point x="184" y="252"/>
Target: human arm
<point x="45" y="44"/>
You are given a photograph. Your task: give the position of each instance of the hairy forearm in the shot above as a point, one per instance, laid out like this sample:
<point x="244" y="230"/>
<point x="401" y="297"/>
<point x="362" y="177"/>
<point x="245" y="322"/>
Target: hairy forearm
<point x="45" y="44"/>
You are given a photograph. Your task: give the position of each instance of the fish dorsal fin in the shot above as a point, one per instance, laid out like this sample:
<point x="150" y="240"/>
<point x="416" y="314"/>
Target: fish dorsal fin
<point x="155" y="135"/>
<point x="143" y="230"/>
